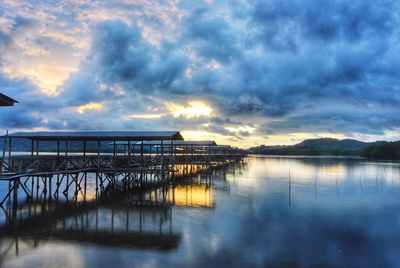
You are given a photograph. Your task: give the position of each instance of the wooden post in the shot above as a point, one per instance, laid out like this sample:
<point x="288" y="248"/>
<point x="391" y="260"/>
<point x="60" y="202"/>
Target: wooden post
<point x="150" y="149"/>
<point x="9" y="148"/>
<point x="32" y="147"/>
<point x="66" y="148"/>
<point x="128" y="153"/>
<point x="172" y="159"/>
<point x="85" y="186"/>
<point x="98" y="156"/>
<point x="114" y="153"/>
<point x="84" y="148"/>
<point x="185" y="170"/>
<point x="141" y="155"/>
<point x="97" y="185"/>
<point x="84" y="157"/>
<point x="162" y="160"/>
<point x="209" y="156"/>
<point x="5" y="145"/>
<point x="15" y="194"/>
<point x="50" y="190"/>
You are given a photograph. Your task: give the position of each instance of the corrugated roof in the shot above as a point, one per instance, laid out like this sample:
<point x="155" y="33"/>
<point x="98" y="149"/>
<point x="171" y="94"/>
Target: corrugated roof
<point x="220" y="147"/>
<point x="6" y="101"/>
<point x="176" y="142"/>
<point x="186" y="143"/>
<point x="100" y="135"/>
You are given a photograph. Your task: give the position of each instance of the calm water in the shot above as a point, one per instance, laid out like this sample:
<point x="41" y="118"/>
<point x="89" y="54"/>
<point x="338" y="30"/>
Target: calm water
<point x="271" y="212"/>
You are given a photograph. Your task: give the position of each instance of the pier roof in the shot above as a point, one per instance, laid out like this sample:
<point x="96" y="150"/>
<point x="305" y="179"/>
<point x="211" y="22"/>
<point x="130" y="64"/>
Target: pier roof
<point x="6" y="101"/>
<point x="100" y="135"/>
<point x="180" y="142"/>
<point x="221" y="147"/>
<point x="157" y="143"/>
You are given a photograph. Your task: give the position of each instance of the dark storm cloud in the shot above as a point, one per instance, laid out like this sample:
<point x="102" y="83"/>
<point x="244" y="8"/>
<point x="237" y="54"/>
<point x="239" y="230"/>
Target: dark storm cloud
<point x="213" y="37"/>
<point x="286" y="24"/>
<point x="314" y="56"/>
<point x="334" y="50"/>
<point x="276" y="82"/>
<point x="340" y="119"/>
<point x="120" y="57"/>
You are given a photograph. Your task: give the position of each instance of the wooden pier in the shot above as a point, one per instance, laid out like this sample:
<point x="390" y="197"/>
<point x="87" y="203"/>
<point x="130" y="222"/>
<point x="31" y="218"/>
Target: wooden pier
<point x="58" y="163"/>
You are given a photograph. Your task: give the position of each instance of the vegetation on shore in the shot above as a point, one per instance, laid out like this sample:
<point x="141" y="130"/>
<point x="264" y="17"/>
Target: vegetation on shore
<point x="387" y="150"/>
<point x="329" y="146"/>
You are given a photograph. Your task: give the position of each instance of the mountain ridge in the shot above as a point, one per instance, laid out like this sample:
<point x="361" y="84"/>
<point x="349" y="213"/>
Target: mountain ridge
<point x="319" y="146"/>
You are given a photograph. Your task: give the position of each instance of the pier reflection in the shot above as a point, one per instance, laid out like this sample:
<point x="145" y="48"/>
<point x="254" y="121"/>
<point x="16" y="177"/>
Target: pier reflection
<point x="146" y="226"/>
<point x="113" y="217"/>
<point x="191" y="195"/>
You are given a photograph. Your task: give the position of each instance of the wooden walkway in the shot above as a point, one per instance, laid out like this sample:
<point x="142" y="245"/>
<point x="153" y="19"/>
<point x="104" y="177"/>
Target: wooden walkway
<point x="135" y="160"/>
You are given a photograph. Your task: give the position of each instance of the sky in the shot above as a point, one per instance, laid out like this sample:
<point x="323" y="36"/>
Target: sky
<point x="241" y="72"/>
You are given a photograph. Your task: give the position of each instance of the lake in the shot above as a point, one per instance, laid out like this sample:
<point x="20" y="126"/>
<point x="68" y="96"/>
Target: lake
<point x="268" y="212"/>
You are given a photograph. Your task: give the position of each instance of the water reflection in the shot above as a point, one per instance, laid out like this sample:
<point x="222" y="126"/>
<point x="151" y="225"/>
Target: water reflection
<point x="116" y="218"/>
<point x="192" y="196"/>
<point x="101" y="223"/>
<point x="271" y="212"/>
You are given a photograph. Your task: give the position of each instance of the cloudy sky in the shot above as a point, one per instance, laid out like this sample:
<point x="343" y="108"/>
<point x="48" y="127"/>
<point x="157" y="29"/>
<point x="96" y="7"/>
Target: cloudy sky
<point x="243" y="72"/>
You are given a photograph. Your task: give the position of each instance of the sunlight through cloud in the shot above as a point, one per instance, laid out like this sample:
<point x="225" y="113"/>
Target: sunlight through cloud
<point x="192" y="110"/>
<point x="144" y="116"/>
<point x="91" y="106"/>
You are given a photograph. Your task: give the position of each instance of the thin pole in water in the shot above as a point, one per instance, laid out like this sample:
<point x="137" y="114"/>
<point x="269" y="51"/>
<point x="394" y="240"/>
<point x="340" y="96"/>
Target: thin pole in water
<point x="5" y="144"/>
<point x="337" y="186"/>
<point x="290" y="189"/>
<point x="315" y="185"/>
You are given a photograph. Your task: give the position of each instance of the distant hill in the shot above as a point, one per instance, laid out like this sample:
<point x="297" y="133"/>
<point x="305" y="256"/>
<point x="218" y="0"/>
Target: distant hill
<point x="322" y="146"/>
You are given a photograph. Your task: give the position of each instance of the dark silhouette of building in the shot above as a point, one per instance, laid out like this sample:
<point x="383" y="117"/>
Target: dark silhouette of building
<point x="6" y="101"/>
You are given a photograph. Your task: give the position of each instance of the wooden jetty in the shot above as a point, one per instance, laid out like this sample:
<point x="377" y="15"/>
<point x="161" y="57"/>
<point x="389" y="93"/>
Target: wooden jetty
<point x="54" y="163"/>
